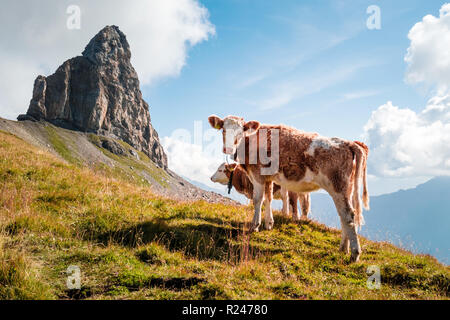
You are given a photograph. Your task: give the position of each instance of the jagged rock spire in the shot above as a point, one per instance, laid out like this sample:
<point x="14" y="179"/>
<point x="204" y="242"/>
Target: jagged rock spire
<point x="98" y="92"/>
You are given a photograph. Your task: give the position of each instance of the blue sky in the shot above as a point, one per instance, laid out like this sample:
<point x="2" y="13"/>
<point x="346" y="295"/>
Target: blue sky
<point x="313" y="65"/>
<point x="342" y="70"/>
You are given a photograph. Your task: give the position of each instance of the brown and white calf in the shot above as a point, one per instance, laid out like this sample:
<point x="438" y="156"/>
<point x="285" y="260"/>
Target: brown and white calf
<point x="300" y="162"/>
<point x="241" y="182"/>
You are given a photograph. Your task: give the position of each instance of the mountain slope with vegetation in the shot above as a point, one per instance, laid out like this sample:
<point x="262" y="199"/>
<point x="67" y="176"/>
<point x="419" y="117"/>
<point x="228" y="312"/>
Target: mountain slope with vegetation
<point x="101" y="152"/>
<point x="130" y="243"/>
<point x="416" y="219"/>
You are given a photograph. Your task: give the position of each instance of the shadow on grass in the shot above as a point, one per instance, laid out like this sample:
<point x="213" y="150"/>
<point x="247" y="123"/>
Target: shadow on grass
<point x="281" y="220"/>
<point x="177" y="283"/>
<point x="200" y="239"/>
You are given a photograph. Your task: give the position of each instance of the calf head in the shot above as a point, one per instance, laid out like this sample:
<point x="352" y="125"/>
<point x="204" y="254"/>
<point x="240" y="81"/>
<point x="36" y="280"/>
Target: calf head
<point x="234" y="129"/>
<point x="222" y="175"/>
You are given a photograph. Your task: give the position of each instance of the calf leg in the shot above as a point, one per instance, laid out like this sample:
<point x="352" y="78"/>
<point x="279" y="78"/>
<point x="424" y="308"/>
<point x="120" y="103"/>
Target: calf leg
<point x="268" y="194"/>
<point x="293" y="199"/>
<point x="258" y="197"/>
<point x="285" y="198"/>
<point x="349" y="234"/>
<point x="305" y="203"/>
<point x="352" y="235"/>
<point x="345" y="243"/>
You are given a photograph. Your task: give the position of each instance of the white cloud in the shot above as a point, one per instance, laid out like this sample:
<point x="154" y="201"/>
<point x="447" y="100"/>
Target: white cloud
<point x="408" y="144"/>
<point x="359" y="94"/>
<point x="16" y="86"/>
<point x="251" y="80"/>
<point x="195" y="161"/>
<point x="405" y="143"/>
<point x="35" y="39"/>
<point x="279" y="99"/>
<point x="287" y="91"/>
<point x="428" y="56"/>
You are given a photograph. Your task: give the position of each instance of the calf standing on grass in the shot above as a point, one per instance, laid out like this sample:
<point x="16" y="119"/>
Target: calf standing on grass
<point x="234" y="176"/>
<point x="300" y="162"/>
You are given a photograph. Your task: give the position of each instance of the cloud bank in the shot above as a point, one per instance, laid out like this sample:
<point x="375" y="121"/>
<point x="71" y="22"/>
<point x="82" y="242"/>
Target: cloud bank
<point x="160" y="34"/>
<point x="196" y="161"/>
<point x="405" y="143"/>
<point x="428" y="56"/>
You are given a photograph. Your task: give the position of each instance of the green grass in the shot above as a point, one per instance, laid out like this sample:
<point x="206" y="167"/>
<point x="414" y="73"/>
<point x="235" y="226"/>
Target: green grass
<point x="132" y="244"/>
<point x="129" y="167"/>
<point x="60" y="146"/>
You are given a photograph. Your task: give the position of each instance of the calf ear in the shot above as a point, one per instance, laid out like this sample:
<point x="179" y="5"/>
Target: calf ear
<point x="251" y="127"/>
<point x="232" y="166"/>
<point x="215" y="122"/>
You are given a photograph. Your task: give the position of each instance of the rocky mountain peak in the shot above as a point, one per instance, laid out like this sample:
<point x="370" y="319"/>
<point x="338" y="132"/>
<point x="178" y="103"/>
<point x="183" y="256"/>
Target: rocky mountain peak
<point x="98" y="92"/>
<point x="109" y="44"/>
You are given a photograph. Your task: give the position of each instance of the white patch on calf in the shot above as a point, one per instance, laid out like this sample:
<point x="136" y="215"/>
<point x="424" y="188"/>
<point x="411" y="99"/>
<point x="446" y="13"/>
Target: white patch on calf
<point x="309" y="176"/>
<point x="308" y="183"/>
<point x="220" y="176"/>
<point x="323" y="143"/>
<point x="233" y="130"/>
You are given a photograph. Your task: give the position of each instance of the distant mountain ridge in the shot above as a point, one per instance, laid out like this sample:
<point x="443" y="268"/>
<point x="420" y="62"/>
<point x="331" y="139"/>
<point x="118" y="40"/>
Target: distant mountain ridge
<point x="418" y="219"/>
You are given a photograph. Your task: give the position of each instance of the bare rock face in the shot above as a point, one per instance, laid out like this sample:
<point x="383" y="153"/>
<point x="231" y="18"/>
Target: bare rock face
<point x="98" y="92"/>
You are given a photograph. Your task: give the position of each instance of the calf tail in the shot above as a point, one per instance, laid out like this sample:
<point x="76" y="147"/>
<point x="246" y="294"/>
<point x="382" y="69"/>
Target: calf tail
<point x="365" y="196"/>
<point x="359" y="167"/>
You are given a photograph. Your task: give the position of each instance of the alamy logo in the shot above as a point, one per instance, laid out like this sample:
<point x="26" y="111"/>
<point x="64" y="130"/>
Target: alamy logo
<point x="260" y="152"/>
<point x="374" y="20"/>
<point x="257" y="151"/>
<point x="74" y="19"/>
<point x="73" y="277"/>
<point x="374" y="279"/>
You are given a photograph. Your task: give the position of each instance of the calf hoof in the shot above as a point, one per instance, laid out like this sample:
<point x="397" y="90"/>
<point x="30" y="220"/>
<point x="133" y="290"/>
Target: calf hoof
<point x="269" y="225"/>
<point x="344" y="248"/>
<point x="254" y="228"/>
<point x="355" y="257"/>
<point x="304" y="218"/>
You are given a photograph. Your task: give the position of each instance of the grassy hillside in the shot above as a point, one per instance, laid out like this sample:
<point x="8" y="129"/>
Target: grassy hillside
<point x="131" y="244"/>
<point x="113" y="156"/>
